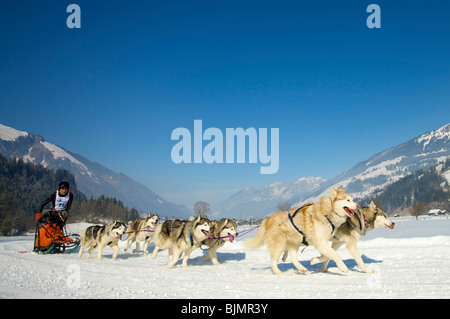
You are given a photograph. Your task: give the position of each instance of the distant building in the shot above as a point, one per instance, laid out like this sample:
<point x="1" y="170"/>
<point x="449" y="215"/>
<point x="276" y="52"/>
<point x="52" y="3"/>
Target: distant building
<point x="436" y="212"/>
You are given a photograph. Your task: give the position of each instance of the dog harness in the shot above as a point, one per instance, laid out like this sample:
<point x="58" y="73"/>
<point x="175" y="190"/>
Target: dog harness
<point x="331" y="224"/>
<point x="291" y="219"/>
<point x="359" y="221"/>
<point x="304" y="242"/>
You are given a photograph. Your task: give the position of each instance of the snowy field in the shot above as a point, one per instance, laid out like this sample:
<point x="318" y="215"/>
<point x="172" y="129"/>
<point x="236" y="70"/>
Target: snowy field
<point x="411" y="261"/>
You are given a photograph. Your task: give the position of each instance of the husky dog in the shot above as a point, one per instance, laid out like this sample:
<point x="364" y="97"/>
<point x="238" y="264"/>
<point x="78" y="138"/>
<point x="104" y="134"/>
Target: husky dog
<point x="312" y="224"/>
<point x="222" y="231"/>
<point x="349" y="233"/>
<point x="141" y="229"/>
<point x="181" y="236"/>
<point x="102" y="236"/>
<point x="165" y="234"/>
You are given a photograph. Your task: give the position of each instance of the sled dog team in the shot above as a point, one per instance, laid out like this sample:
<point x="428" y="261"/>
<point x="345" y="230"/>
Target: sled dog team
<point x="336" y="218"/>
<point x="179" y="236"/>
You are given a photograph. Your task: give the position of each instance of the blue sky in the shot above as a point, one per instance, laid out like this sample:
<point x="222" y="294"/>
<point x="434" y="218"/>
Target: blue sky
<point x="114" y="90"/>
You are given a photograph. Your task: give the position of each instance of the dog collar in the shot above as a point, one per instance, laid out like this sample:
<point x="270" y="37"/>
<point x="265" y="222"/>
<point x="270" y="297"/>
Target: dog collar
<point x="331" y="224"/>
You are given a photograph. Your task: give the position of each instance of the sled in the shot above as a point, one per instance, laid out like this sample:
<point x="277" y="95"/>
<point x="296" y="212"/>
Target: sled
<point x="51" y="236"/>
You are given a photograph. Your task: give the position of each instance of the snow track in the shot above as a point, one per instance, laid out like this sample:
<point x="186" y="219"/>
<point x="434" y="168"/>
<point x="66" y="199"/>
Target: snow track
<point x="411" y="262"/>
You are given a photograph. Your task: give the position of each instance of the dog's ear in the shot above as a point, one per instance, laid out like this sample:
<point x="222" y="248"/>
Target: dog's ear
<point x="223" y="222"/>
<point x="333" y="194"/>
<point x="372" y="205"/>
<point x="327" y="204"/>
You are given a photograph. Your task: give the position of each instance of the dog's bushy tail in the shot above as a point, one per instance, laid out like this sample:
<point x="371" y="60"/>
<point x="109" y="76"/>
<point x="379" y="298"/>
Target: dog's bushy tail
<point x="83" y="236"/>
<point x="259" y="239"/>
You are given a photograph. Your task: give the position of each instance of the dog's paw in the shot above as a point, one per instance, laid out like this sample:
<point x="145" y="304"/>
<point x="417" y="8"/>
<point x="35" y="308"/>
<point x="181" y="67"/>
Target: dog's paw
<point x="315" y="261"/>
<point x="344" y="270"/>
<point x="369" y="271"/>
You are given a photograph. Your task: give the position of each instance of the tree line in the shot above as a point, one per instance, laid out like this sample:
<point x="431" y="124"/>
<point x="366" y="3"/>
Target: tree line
<point x="24" y="186"/>
<point x="420" y="191"/>
<point x="101" y="209"/>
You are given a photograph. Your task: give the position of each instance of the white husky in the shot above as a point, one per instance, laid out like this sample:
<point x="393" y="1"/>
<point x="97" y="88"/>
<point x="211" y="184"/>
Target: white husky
<point x="312" y="224"/>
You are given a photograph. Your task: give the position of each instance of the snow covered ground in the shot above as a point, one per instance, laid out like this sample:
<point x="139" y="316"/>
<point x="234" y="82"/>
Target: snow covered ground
<point x="412" y="261"/>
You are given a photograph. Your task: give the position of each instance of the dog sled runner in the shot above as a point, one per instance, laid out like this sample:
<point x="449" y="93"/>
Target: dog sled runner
<point x="51" y="236"/>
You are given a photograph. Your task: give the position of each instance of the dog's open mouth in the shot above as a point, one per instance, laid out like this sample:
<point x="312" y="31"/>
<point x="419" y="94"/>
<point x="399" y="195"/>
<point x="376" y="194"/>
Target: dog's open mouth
<point x="207" y="233"/>
<point x="119" y="236"/>
<point x="391" y="226"/>
<point x="349" y="211"/>
<point x="230" y="237"/>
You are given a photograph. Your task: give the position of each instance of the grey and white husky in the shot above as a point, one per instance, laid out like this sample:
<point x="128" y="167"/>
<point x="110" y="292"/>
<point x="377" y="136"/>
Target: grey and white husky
<point x="139" y="230"/>
<point x="349" y="233"/>
<point x="181" y="237"/>
<point x="222" y="231"/>
<point x="101" y="236"/>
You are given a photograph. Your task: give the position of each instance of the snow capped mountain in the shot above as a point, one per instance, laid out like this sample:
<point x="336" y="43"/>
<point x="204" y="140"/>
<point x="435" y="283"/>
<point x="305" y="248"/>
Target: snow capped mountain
<point x="92" y="178"/>
<point x="384" y="168"/>
<point x="442" y="134"/>
<point x="279" y="191"/>
<point x="362" y="180"/>
<point x="258" y="202"/>
<point x="9" y="134"/>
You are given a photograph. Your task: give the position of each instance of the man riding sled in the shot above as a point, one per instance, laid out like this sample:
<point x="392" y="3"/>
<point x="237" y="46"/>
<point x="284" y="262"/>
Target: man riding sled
<point x="50" y="223"/>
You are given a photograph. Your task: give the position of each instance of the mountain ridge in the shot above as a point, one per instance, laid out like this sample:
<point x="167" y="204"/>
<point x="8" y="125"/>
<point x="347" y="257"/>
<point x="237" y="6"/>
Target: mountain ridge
<point x="92" y="178"/>
<point x="363" y="179"/>
<point x="390" y="165"/>
<point x="266" y="197"/>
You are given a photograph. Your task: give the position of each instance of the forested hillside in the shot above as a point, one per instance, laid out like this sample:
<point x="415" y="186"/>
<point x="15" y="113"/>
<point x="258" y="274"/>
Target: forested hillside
<point x="428" y="187"/>
<point x="101" y="210"/>
<point x="24" y="186"/>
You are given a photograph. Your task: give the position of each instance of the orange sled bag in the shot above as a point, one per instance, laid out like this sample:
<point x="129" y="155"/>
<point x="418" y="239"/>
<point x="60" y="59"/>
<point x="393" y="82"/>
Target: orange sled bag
<point x="49" y="235"/>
